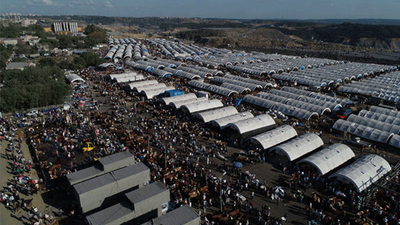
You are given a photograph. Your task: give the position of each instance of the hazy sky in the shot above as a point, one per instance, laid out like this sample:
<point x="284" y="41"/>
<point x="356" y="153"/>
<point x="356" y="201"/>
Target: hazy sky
<point x="241" y="9"/>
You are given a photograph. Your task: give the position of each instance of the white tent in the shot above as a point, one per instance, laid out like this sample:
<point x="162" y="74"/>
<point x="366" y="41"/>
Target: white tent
<point x="299" y="146"/>
<point x="178" y="104"/>
<point x="380" y="117"/>
<point x="202" y="106"/>
<point x="224" y="121"/>
<point x="385" y="111"/>
<point x="150" y="93"/>
<point x="395" y="141"/>
<point x="73" y="78"/>
<point x="276" y="136"/>
<point x="258" y="101"/>
<point x="250" y="124"/>
<point x="168" y="100"/>
<point x="207" y="116"/>
<point x="362" y="131"/>
<point x="329" y="158"/>
<point x="141" y="83"/>
<point x="363" y="172"/>
<point x="391" y="128"/>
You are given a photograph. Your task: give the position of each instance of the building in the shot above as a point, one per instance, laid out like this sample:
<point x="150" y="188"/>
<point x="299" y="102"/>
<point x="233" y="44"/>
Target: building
<point x="102" y="166"/>
<point x="27" y="22"/>
<point x="182" y="216"/>
<point x="71" y="27"/>
<point x="18" y="65"/>
<point x="139" y="206"/>
<point x="107" y="189"/>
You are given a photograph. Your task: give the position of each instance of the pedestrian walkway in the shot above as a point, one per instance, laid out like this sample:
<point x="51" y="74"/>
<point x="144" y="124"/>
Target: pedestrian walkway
<point x="6" y="215"/>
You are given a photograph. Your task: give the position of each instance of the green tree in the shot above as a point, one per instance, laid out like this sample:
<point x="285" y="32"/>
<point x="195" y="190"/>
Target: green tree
<point x="47" y="61"/>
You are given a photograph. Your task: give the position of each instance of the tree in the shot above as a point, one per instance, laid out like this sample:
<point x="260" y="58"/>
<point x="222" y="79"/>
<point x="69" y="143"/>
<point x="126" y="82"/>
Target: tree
<point x="64" y="41"/>
<point x="47" y="61"/>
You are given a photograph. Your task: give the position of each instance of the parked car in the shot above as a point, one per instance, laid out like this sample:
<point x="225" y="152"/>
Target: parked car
<point x="32" y="113"/>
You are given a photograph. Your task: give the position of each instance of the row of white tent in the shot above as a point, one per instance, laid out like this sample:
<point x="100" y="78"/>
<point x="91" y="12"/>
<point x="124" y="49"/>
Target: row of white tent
<point x="120" y="41"/>
<point x="378" y="124"/>
<point x="283" y="108"/>
<point x="338" y="73"/>
<point x="125" y="77"/>
<point x="149" y="88"/>
<point x="385" y="86"/>
<point x="361" y="174"/>
<point x="212" y="88"/>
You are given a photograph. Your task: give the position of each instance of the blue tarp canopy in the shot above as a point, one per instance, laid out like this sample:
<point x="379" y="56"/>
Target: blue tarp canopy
<point x="174" y="92"/>
<point x="237" y="165"/>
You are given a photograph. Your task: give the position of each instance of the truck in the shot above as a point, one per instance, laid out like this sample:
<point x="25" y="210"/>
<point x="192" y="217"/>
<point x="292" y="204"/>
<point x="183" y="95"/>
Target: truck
<point x="358" y="142"/>
<point x="89" y="146"/>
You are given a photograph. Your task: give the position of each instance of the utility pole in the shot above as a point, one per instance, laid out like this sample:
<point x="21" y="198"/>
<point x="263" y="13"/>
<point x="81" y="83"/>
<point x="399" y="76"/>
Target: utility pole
<point x="220" y="192"/>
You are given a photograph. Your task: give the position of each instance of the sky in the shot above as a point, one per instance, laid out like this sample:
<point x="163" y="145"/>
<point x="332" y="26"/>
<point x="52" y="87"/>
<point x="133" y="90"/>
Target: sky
<point x="234" y="9"/>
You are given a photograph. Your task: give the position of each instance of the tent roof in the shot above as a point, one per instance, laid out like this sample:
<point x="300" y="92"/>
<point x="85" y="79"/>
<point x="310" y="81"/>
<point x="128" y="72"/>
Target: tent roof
<point x="224" y="121"/>
<point x="362" y="131"/>
<point x="299" y="146"/>
<point x="209" y="115"/>
<point x="329" y="158"/>
<point x="141" y="83"/>
<point x="178" y="104"/>
<point x="168" y="100"/>
<point x="395" y="141"/>
<point x="73" y="78"/>
<point x="202" y="106"/>
<point x="250" y="124"/>
<point x="276" y="136"/>
<point x="364" y="172"/>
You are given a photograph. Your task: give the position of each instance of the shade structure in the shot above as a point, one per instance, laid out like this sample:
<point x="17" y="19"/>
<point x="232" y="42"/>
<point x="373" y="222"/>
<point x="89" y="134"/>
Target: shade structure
<point x="329" y="158"/>
<point x="237" y="165"/>
<point x="276" y="136"/>
<point x="362" y="131"/>
<point x="299" y="146"/>
<point x="178" y="104"/>
<point x="209" y="115"/>
<point x="395" y="141"/>
<point x="202" y="106"/>
<point x="224" y="121"/>
<point x="255" y="123"/>
<point x="168" y="100"/>
<point x="363" y="172"/>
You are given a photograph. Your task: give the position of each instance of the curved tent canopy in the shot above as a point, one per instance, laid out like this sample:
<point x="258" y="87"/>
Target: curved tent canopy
<point x="363" y="172"/>
<point x="234" y="87"/>
<point x="150" y="93"/>
<point x="224" y="121"/>
<point x="294" y="111"/>
<point x="178" y="104"/>
<point x="385" y="111"/>
<point x="395" y="141"/>
<point x="198" y="84"/>
<point x="362" y="131"/>
<point x="329" y="158"/>
<point x="149" y="86"/>
<point x="202" y="106"/>
<point x="274" y="137"/>
<point x="260" y="102"/>
<point x="168" y="100"/>
<point x="299" y="146"/>
<point x="391" y="128"/>
<point x="207" y="116"/>
<point x="272" y="97"/>
<point x="141" y="83"/>
<point x="247" y="125"/>
<point x="73" y="78"/>
<point x="221" y="90"/>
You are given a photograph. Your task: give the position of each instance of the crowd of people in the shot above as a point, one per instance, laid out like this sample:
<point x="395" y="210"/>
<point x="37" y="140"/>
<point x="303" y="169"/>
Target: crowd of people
<point x="181" y="152"/>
